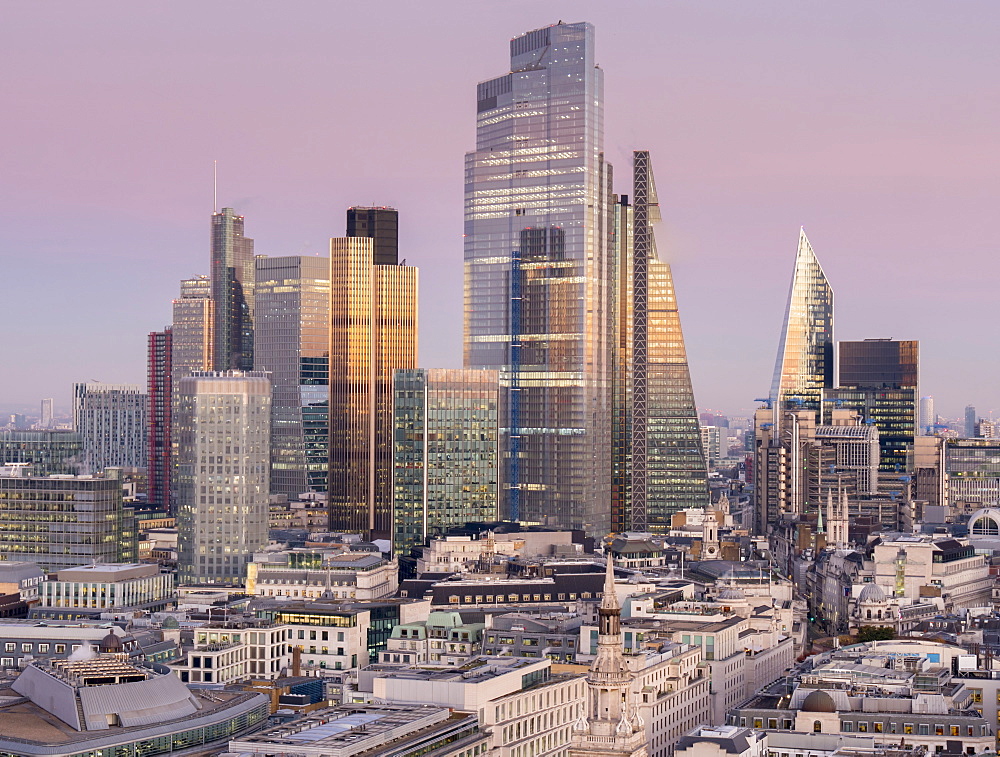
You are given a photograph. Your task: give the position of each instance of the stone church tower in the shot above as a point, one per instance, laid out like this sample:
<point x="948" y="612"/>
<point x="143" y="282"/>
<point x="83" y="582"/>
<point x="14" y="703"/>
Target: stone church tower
<point x="611" y="726"/>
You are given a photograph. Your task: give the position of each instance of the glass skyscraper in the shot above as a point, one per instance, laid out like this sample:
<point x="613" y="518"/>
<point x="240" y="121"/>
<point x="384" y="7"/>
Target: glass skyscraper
<point x="805" y="364"/>
<point x="292" y="343"/>
<point x="373" y="333"/>
<point x="159" y="410"/>
<point x="447" y="452"/>
<point x="659" y="460"/>
<point x="232" y="292"/>
<point x="537" y="229"/>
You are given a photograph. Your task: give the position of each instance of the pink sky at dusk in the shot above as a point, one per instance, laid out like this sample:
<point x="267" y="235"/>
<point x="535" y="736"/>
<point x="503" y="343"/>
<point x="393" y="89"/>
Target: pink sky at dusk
<point x="874" y="125"/>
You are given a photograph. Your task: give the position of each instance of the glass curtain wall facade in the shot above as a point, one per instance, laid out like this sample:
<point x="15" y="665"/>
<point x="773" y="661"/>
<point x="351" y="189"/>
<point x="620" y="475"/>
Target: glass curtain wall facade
<point x="232" y="292"/>
<point x="537" y="272"/>
<point x="447" y="452"/>
<point x="55" y="452"/>
<point x="159" y="390"/>
<point x="382" y="225"/>
<point x="62" y="523"/>
<point x="658" y="442"/>
<point x="192" y="328"/>
<point x="879" y="380"/>
<point x="291" y="343"/>
<point x="373" y="333"/>
<point x="222" y="424"/>
<point x="111" y="421"/>
<point x="805" y="364"/>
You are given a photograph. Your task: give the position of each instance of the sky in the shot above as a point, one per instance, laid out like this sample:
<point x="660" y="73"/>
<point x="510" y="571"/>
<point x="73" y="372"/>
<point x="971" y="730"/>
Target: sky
<point x="873" y="125"/>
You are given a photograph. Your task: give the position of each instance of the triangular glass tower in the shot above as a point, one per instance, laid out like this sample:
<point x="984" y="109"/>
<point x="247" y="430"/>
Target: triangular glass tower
<point x="805" y="355"/>
<point x="659" y="465"/>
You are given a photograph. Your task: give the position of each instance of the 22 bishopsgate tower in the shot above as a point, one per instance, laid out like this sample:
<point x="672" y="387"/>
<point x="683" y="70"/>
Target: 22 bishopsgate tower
<point x="537" y="231"/>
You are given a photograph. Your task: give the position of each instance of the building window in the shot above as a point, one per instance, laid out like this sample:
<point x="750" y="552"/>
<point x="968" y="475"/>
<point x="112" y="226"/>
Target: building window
<point x="847" y="726"/>
<point x="10" y="646"/>
<point x="817" y="727"/>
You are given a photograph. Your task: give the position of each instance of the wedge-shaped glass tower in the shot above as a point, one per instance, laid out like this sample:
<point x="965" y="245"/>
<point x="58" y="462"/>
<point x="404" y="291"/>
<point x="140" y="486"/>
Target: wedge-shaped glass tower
<point x="659" y="463"/>
<point x="805" y="354"/>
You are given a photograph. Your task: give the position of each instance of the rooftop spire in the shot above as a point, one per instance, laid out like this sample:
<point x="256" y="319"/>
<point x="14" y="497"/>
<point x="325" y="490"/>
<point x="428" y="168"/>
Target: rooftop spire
<point x="610" y="600"/>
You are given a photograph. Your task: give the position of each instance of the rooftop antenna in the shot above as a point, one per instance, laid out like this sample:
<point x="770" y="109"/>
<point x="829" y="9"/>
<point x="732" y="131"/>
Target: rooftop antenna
<point x="215" y="195"/>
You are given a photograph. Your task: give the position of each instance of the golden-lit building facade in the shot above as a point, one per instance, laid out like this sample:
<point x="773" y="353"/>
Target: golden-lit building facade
<point x="373" y="333"/>
<point x="659" y="464"/>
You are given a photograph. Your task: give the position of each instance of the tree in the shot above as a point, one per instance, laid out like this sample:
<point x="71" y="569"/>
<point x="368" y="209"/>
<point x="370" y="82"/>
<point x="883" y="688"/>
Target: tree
<point x="875" y="633"/>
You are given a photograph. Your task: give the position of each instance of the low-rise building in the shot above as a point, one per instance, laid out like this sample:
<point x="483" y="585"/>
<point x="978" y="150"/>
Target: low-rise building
<point x="446" y="638"/>
<point x="553" y="635"/>
<point x="88" y="591"/>
<point x="312" y="573"/>
<point x="25" y="641"/>
<point x="104" y="705"/>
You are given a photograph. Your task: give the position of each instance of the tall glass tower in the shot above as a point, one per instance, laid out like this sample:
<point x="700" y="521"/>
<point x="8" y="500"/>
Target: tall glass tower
<point x="805" y="354"/>
<point x="232" y="292"/>
<point x="537" y="231"/>
<point x="292" y="343"/>
<point x="659" y="463"/>
<point x="373" y="333"/>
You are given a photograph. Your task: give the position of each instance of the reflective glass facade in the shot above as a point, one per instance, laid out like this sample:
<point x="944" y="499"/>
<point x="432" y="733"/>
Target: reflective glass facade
<point x="879" y="381"/>
<point x="373" y="333"/>
<point x="191" y="330"/>
<point x="805" y="363"/>
<point x="222" y="424"/>
<point x="64" y="523"/>
<point x="972" y="469"/>
<point x="48" y="452"/>
<point x="232" y="293"/>
<point x="659" y="460"/>
<point x="537" y="230"/>
<point x="447" y="452"/>
<point x="291" y="342"/>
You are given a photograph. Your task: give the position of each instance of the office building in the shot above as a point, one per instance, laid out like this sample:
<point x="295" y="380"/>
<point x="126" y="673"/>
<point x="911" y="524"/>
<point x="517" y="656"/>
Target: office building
<point x="292" y="344"/>
<point x="111" y="421"/>
<point x="159" y="391"/>
<point x="232" y="293"/>
<point x="45" y="419"/>
<point x="928" y="419"/>
<point x="970" y="422"/>
<point x="315" y="574"/>
<point x="447" y="452"/>
<point x="805" y="364"/>
<point x="87" y="591"/>
<point x="537" y="267"/>
<point x="222" y="425"/>
<point x="879" y="382"/>
<point x="382" y="226"/>
<point x="659" y="462"/>
<point x="47" y="452"/>
<point x="192" y="329"/>
<point x="373" y="333"/>
<point x="64" y="521"/>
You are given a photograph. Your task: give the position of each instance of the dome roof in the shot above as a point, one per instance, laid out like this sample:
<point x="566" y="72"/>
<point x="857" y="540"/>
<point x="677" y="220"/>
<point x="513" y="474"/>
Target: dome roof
<point x="818" y="701"/>
<point x="111" y="643"/>
<point x="872" y="593"/>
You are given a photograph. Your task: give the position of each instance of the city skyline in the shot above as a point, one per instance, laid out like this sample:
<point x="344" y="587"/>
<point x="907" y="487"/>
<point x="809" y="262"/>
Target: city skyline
<point x="894" y="194"/>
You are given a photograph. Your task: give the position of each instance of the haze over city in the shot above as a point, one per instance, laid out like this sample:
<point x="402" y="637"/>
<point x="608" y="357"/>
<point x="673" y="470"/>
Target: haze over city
<point x="872" y="127"/>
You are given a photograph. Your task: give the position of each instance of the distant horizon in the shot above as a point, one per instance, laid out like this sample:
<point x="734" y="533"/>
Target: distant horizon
<point x="864" y="124"/>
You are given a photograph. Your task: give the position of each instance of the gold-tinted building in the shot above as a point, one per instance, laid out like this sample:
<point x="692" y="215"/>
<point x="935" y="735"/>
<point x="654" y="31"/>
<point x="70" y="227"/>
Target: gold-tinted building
<point x="373" y="332"/>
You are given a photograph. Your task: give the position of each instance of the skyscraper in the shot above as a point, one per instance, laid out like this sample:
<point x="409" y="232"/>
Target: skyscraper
<point x="373" y="333"/>
<point x="805" y="364"/>
<point x="537" y="266"/>
<point x="45" y="421"/>
<point x="879" y="381"/>
<point x="159" y="393"/>
<point x="927" y="416"/>
<point x="222" y="423"/>
<point x="292" y="343"/>
<point x="232" y="292"/>
<point x="111" y="421"/>
<point x="970" y="422"/>
<point x="382" y="225"/>
<point x="192" y="329"/>
<point x="447" y="452"/>
<point x="657" y="441"/>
